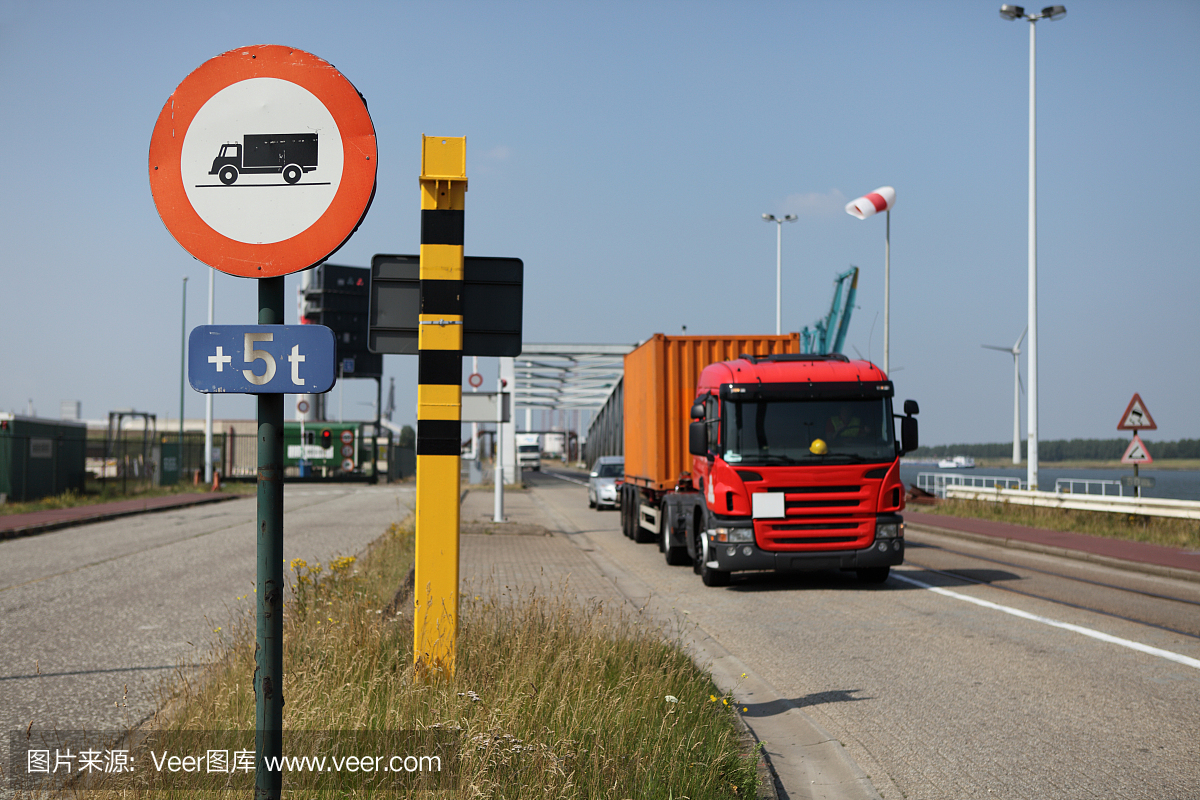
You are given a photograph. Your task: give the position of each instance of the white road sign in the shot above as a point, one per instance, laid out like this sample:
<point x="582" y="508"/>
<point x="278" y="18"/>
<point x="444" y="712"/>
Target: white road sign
<point x="1136" y="416"/>
<point x="1136" y="453"/>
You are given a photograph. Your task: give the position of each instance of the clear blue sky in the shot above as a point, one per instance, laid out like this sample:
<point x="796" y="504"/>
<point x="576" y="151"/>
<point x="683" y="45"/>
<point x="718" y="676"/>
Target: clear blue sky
<point x="626" y="152"/>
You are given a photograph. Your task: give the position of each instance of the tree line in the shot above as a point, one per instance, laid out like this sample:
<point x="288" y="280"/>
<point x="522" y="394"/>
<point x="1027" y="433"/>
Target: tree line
<point x="1064" y="450"/>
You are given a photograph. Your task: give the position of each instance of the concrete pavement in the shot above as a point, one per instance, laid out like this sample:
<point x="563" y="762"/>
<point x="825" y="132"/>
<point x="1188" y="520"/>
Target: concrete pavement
<point x="939" y="698"/>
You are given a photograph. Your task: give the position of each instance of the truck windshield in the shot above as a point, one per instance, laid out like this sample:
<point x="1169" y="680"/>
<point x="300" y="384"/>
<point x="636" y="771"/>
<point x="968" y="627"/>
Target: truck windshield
<point x="528" y="448"/>
<point x="785" y="431"/>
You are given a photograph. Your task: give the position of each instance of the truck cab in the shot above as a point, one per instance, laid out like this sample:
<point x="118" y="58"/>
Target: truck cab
<point x="797" y="462"/>
<point x="529" y="451"/>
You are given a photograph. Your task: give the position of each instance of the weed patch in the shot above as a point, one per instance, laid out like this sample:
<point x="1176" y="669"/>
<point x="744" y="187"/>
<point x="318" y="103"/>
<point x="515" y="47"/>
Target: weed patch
<point x="549" y="699"/>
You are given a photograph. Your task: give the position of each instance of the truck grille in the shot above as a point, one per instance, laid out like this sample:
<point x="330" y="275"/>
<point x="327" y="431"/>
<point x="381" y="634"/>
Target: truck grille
<point x="819" y="517"/>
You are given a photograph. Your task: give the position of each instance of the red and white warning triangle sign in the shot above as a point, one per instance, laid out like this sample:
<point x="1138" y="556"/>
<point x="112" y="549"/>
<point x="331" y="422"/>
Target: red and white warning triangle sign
<point x="1136" y="453"/>
<point x="1136" y="416"/>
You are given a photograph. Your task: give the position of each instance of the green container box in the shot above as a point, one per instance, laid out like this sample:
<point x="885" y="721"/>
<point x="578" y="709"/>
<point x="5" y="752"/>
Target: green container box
<point x="41" y="457"/>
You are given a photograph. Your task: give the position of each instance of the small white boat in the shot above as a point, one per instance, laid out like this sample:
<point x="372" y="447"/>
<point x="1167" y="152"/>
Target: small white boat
<point x="957" y="462"/>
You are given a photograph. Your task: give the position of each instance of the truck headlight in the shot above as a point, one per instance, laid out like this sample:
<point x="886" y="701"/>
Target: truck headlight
<point x="889" y="530"/>
<point x="733" y="535"/>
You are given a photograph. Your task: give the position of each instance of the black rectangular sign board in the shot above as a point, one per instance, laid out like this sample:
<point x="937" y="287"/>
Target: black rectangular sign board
<point x="339" y="298"/>
<point x="492" y="300"/>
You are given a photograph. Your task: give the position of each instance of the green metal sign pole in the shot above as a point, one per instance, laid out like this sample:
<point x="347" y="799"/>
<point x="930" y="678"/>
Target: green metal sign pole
<point x="268" y="654"/>
<point x="182" y="381"/>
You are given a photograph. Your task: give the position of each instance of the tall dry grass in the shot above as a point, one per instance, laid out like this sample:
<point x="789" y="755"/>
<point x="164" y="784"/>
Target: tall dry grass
<point x="549" y="699"/>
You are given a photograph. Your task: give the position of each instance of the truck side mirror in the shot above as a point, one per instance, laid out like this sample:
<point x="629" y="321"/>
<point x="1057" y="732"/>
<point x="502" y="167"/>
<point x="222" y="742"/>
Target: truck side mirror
<point x="698" y="411"/>
<point x="698" y="438"/>
<point x="908" y="432"/>
<point x="910" y="407"/>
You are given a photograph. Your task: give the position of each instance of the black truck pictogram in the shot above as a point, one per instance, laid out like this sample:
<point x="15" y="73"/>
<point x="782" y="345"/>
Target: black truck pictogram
<point x="291" y="154"/>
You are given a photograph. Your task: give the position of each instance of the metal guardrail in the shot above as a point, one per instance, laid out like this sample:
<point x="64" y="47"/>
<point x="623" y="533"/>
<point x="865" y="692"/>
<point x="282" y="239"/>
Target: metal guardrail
<point x="1071" y="483"/>
<point x="1145" y="506"/>
<point x="936" y="483"/>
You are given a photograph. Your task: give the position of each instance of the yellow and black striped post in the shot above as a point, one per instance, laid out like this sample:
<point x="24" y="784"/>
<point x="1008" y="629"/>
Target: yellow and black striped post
<point x="439" y="402"/>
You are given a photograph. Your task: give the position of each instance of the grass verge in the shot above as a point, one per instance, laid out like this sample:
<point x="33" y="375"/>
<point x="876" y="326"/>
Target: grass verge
<point x="1181" y="533"/>
<point x="549" y="699"/>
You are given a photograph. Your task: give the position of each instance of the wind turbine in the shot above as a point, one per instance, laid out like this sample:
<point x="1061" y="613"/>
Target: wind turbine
<point x="1017" y="387"/>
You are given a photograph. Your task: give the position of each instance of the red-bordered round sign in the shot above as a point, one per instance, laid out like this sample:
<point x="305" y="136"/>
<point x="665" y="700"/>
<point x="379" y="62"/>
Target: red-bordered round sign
<point x="263" y="161"/>
<point x="475" y="380"/>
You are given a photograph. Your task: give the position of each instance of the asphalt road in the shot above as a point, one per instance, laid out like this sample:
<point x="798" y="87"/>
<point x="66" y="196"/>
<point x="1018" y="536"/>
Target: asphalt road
<point x="936" y="695"/>
<point x="93" y="618"/>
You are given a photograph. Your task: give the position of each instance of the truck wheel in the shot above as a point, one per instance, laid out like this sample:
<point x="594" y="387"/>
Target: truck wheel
<point x="292" y="173"/>
<point x="677" y="556"/>
<point x="698" y="546"/>
<point x="626" y="504"/>
<point x="874" y="574"/>
<point x="710" y="576"/>
<point x="228" y="175"/>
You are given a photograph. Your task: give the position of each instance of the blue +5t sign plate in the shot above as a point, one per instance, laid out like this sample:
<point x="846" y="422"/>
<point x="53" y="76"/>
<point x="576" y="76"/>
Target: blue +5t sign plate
<point x="262" y="359"/>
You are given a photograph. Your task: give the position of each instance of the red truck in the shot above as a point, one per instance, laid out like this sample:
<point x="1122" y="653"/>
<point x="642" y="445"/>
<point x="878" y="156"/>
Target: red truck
<point x="789" y="461"/>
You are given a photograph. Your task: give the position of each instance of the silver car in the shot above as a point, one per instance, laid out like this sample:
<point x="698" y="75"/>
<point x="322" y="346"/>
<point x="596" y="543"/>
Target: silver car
<point x="602" y="483"/>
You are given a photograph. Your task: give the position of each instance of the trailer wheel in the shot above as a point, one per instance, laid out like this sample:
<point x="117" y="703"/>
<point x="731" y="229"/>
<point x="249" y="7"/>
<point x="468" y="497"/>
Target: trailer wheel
<point x="640" y="534"/>
<point x="292" y="173"/>
<point x="228" y="175"/>
<point x="626" y="511"/>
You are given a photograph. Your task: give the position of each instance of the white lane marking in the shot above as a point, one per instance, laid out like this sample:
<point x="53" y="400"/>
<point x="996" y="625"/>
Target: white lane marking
<point x="1016" y="612"/>
<point x="565" y="478"/>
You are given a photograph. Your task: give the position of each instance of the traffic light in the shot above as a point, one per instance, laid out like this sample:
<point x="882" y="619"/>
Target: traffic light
<point x="326" y="438"/>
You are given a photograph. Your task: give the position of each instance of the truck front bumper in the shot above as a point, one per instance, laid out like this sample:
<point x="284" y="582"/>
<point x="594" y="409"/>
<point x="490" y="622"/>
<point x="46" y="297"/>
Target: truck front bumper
<point x="749" y="556"/>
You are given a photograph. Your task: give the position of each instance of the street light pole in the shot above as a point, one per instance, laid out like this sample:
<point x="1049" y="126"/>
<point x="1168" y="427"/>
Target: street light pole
<point x="778" y="266"/>
<point x="1011" y="12"/>
<point x="1031" y="475"/>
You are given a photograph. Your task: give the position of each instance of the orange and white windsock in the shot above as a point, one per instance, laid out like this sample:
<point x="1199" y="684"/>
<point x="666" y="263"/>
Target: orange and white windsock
<point x="882" y="199"/>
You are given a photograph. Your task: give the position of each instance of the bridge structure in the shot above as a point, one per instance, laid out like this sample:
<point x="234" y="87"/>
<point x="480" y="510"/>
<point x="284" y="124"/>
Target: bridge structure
<point x="566" y="376"/>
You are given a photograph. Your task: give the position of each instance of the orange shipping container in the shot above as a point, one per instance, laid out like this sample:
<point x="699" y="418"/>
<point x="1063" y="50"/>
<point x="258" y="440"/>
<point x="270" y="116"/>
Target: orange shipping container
<point x="660" y="385"/>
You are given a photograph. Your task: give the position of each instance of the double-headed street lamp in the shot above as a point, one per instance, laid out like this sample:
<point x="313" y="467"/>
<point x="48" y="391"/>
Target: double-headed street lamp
<point x="1012" y="13"/>
<point x="778" y="264"/>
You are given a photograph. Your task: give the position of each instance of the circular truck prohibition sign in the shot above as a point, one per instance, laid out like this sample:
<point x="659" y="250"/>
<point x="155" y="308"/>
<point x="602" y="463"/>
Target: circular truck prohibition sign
<point x="347" y="437"/>
<point x="263" y="161"/>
